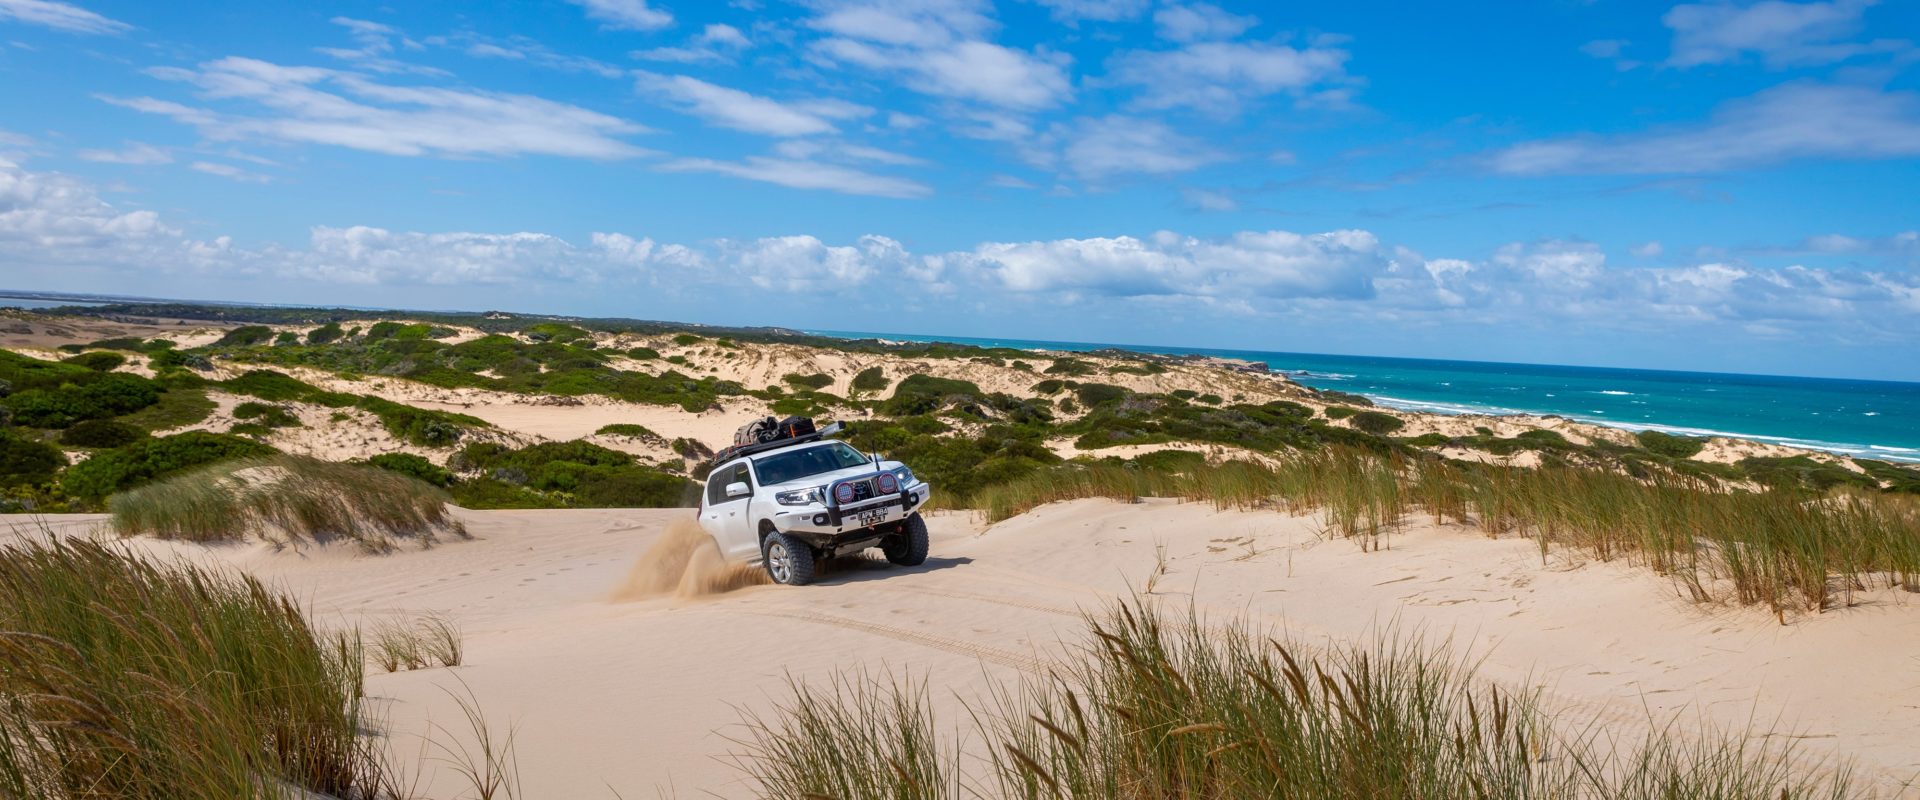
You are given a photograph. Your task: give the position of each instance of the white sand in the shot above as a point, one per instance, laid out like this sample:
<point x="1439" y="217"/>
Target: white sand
<point x="642" y="695"/>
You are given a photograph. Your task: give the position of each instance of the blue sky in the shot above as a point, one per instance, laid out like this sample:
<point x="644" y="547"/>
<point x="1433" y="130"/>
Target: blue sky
<point x="1719" y="186"/>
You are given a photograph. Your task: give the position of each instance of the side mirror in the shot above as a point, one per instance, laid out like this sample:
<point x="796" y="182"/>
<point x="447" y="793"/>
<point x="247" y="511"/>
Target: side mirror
<point x="738" y="489"/>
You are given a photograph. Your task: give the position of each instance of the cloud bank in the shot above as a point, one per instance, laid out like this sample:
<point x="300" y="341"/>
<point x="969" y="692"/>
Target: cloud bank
<point x="50" y="221"/>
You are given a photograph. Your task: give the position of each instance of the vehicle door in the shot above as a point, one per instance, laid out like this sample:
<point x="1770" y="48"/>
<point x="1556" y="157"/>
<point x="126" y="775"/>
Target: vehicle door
<point x="728" y="517"/>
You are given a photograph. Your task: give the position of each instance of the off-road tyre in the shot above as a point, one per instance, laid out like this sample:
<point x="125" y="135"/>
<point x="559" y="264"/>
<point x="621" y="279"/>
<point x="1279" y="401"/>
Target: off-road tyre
<point x="908" y="548"/>
<point x="788" y="560"/>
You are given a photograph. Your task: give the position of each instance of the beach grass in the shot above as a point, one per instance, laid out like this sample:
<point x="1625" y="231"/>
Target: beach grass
<point x="126" y="678"/>
<point x="429" y="640"/>
<point x="1160" y="707"/>
<point x="288" y="500"/>
<point x="1787" y="549"/>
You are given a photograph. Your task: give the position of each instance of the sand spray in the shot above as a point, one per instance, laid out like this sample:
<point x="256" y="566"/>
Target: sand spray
<point x="685" y="563"/>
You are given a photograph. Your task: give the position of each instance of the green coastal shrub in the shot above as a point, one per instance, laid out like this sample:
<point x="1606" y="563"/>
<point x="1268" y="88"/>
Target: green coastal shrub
<point x="643" y="354"/>
<point x="175" y="359"/>
<point x="1378" y="423"/>
<point x="631" y="431"/>
<point x="1669" y="445"/>
<point x="330" y="332"/>
<point x="576" y="474"/>
<point x="267" y="384"/>
<point x="923" y="394"/>
<point x="413" y="466"/>
<point x="490" y="493"/>
<point x="1093" y="395"/>
<point x="266" y="415"/>
<point x="388" y="329"/>
<point x="1339" y="412"/>
<point x="97" y="433"/>
<point x="108" y="395"/>
<point x="1802" y="472"/>
<point x="24" y="462"/>
<point x="687" y="339"/>
<point x="420" y="426"/>
<point x="555" y="332"/>
<point x="1049" y="386"/>
<point x="122" y="468"/>
<point x="690" y="448"/>
<point x="1071" y="367"/>
<point x="98" y="361"/>
<point x="1171" y="460"/>
<point x="22" y="373"/>
<point x="871" y="379"/>
<point x="814" y="382"/>
<point x="178" y="407"/>
<point x="246" y="336"/>
<point x="126" y="343"/>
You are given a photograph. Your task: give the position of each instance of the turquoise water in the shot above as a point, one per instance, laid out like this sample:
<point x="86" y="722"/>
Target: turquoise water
<point x="1872" y="419"/>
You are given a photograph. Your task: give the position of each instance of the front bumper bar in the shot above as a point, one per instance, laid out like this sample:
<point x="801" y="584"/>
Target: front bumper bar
<point x="834" y="520"/>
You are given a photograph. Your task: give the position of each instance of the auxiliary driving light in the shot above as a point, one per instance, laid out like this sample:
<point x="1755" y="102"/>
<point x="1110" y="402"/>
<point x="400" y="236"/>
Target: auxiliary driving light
<point x="843" y="493"/>
<point x="886" y="483"/>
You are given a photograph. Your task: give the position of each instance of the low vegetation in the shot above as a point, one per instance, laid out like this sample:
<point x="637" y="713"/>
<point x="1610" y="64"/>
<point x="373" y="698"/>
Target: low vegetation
<point x="1166" y="708"/>
<point x="92" y="481"/>
<point x="288" y="500"/>
<point x="429" y="640"/>
<point x="869" y="381"/>
<point x="813" y="382"/>
<point x="630" y="431"/>
<point x="129" y="679"/>
<point x="1787" y="549"/>
<point x="413" y="466"/>
<point x="1667" y="444"/>
<point x="575" y="474"/>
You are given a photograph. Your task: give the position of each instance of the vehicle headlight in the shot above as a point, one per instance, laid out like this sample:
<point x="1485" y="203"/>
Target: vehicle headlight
<point x="798" y="497"/>
<point x="904" y="475"/>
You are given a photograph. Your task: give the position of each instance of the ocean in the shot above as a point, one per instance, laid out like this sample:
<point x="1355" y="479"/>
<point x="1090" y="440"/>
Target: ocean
<point x="1869" y="419"/>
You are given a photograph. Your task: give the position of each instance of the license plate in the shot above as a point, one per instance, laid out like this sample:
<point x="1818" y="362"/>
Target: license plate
<point x="867" y="518"/>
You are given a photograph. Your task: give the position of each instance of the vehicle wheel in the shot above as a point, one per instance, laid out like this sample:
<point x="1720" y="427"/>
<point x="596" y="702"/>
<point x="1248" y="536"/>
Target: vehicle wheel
<point x="908" y="548"/>
<point x="788" y="560"/>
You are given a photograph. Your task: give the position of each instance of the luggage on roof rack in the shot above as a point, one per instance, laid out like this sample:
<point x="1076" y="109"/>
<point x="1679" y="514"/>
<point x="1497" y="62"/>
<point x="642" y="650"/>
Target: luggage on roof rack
<point x="770" y="432"/>
<point x="770" y="429"/>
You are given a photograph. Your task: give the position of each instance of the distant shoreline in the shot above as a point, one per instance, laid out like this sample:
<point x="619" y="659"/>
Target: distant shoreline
<point x="1814" y="397"/>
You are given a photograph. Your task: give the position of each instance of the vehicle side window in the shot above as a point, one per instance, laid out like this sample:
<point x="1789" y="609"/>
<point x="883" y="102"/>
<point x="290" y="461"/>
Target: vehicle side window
<point x="717" y="482"/>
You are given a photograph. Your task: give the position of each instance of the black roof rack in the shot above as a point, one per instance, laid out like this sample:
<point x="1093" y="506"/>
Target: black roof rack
<point x="739" y="450"/>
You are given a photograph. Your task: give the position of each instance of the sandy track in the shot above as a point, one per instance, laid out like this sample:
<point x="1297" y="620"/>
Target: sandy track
<point x="642" y="696"/>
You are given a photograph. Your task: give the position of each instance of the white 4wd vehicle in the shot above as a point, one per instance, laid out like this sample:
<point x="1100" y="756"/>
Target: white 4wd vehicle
<point x="796" y="500"/>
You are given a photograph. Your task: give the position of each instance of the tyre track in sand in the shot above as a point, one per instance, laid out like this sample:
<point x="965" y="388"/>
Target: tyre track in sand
<point x="1005" y="658"/>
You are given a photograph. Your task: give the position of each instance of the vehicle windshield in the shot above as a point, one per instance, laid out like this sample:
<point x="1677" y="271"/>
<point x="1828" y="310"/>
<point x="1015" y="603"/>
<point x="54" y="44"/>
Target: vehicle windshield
<point x="796" y="464"/>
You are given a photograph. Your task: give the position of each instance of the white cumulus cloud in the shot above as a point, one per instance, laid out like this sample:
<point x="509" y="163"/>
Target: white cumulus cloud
<point x="137" y="153"/>
<point x="743" y="111"/>
<point x="1220" y="77"/>
<point x="939" y="47"/>
<point x="632" y="15"/>
<point x="1793" y="121"/>
<point x="1200" y="21"/>
<point x="59" y="16"/>
<point x="252" y="99"/>
<point x="1780" y="33"/>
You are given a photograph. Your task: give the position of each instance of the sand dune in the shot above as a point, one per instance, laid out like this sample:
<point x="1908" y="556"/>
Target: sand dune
<point x="639" y="690"/>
